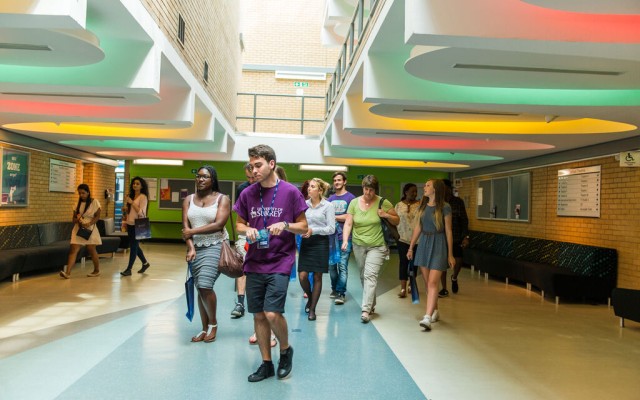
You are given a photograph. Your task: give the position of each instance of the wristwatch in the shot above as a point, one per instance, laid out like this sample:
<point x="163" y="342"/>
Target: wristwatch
<point x="286" y="225"/>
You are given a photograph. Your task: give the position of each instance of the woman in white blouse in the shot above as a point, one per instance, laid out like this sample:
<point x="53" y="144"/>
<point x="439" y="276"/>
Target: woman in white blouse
<point x="136" y="207"/>
<point x="204" y="216"/>
<point x="314" y="249"/>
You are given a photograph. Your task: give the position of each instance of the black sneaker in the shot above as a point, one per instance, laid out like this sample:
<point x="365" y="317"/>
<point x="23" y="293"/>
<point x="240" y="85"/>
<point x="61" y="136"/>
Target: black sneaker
<point x="443" y="293"/>
<point x="333" y="294"/>
<point x="286" y="363"/>
<point x="145" y="267"/>
<point x="264" y="371"/>
<point x="238" y="311"/>
<point x="340" y="299"/>
<point x="126" y="272"/>
<point x="454" y="285"/>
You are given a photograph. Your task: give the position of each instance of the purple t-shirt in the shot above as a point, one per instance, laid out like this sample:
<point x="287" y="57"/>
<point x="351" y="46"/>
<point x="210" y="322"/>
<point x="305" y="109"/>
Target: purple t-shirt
<point x="287" y="206"/>
<point x="340" y="205"/>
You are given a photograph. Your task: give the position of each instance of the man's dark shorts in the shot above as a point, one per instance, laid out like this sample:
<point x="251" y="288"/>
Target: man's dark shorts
<point x="266" y="292"/>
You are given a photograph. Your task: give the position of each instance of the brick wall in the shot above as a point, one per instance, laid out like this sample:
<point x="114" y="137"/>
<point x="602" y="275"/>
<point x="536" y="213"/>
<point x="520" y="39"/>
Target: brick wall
<point x="280" y="107"/>
<point x="618" y="226"/>
<point x="211" y="35"/>
<point x="46" y="206"/>
<point x="283" y="33"/>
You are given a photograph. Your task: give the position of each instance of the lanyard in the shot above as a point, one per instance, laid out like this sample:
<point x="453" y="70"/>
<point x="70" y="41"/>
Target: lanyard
<point x="264" y="216"/>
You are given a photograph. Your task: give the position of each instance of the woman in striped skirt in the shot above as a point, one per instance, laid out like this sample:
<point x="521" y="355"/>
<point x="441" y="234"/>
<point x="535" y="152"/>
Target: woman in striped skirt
<point x="204" y="216"/>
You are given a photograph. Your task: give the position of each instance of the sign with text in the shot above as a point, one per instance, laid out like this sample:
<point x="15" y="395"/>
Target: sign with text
<point x="15" y="178"/>
<point x="630" y="159"/>
<point x="62" y="176"/>
<point x="579" y="192"/>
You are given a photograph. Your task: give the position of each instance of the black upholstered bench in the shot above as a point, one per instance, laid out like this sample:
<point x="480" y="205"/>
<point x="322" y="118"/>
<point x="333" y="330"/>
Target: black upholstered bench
<point x="626" y="304"/>
<point x="558" y="269"/>
<point x="40" y="247"/>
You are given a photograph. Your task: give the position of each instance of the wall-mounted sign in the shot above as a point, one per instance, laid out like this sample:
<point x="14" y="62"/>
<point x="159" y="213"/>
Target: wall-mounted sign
<point x="579" y="192"/>
<point x="630" y="159"/>
<point x="62" y="176"/>
<point x="15" y="178"/>
<point x="301" y="84"/>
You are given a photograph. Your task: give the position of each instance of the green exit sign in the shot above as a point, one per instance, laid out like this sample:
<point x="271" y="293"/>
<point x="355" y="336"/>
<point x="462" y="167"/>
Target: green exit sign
<point x="301" y="84"/>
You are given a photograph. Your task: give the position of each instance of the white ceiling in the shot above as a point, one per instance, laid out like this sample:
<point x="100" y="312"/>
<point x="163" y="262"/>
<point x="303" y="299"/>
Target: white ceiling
<point x="457" y="86"/>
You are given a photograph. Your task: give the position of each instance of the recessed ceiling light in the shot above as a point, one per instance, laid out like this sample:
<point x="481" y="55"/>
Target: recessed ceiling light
<point x="24" y="46"/>
<point x="332" y="168"/>
<point x="152" y="161"/>
<point x="535" y="69"/>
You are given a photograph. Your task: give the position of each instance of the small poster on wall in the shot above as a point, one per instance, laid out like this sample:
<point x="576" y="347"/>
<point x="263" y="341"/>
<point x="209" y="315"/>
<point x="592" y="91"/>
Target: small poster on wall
<point x="15" y="178"/>
<point x="152" y="184"/>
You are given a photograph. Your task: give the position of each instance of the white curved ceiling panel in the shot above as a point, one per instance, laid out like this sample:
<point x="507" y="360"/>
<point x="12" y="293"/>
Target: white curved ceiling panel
<point x="513" y="69"/>
<point x="590" y="6"/>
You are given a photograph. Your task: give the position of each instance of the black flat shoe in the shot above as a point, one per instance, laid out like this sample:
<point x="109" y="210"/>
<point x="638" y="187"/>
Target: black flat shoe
<point x="145" y="267"/>
<point x="307" y="308"/>
<point x="286" y="363"/>
<point x="126" y="272"/>
<point x="312" y="316"/>
<point x="264" y="371"/>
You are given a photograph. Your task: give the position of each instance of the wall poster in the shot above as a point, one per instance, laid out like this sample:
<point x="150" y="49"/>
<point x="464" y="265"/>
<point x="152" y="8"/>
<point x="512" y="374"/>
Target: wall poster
<point x="15" y="178"/>
<point x="152" y="184"/>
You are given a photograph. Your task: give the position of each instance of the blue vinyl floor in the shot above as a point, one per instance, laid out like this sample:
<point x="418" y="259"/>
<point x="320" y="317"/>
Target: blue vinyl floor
<point x="145" y="353"/>
<point x="127" y="338"/>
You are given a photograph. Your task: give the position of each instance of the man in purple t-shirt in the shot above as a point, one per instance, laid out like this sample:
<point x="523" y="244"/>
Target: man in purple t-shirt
<point x="269" y="214"/>
<point x="338" y="259"/>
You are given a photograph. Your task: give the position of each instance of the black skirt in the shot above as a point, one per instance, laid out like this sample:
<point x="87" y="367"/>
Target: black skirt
<point x="314" y="254"/>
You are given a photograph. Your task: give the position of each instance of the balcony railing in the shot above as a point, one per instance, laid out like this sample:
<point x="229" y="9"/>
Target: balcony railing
<point x="350" y="47"/>
<point x="255" y="115"/>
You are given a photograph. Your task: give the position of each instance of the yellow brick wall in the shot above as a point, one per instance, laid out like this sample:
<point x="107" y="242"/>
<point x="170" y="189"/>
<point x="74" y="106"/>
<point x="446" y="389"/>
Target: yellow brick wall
<point x="618" y="226"/>
<point x="46" y="206"/>
<point x="211" y="35"/>
<point x="285" y="32"/>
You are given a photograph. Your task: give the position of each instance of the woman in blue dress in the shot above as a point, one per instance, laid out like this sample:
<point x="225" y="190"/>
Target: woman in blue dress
<point x="435" y="250"/>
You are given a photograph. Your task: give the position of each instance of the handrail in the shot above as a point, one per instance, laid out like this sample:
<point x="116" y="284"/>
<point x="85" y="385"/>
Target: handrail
<point x="255" y="118"/>
<point x="349" y="48"/>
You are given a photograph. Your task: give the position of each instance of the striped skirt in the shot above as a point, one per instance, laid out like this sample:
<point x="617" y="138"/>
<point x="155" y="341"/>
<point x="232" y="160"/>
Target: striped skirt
<point x="205" y="267"/>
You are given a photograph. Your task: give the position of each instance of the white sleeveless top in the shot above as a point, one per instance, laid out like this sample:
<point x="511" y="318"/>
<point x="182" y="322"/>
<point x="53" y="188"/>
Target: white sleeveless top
<point x="201" y="216"/>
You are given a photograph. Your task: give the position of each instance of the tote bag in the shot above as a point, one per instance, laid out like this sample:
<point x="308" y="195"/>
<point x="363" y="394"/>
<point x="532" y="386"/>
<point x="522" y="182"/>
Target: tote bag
<point x="142" y="228"/>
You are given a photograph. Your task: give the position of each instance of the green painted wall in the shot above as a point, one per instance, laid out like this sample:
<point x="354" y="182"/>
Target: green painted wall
<point x="391" y="181"/>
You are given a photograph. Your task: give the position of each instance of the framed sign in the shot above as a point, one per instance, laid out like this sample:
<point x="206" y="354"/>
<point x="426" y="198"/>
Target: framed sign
<point x="579" y="192"/>
<point x="15" y="178"/>
<point x="62" y="176"/>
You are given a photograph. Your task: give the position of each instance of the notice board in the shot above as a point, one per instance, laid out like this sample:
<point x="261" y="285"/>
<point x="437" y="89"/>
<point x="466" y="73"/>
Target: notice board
<point x="579" y="192"/>
<point x="173" y="191"/>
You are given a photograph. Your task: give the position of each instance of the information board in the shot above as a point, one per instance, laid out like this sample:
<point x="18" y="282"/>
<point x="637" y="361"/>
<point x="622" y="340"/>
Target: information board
<point x="62" y="176"/>
<point x="579" y="192"/>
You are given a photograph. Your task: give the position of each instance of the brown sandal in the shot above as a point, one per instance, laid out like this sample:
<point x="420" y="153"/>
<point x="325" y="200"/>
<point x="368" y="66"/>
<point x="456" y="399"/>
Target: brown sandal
<point x="402" y="294"/>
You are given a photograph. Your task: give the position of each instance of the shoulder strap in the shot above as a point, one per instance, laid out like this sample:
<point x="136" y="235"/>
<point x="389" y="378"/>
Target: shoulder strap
<point x="381" y="201"/>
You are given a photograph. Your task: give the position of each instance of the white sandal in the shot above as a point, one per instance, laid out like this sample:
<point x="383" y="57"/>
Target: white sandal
<point x="199" y="337"/>
<point x="209" y="330"/>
